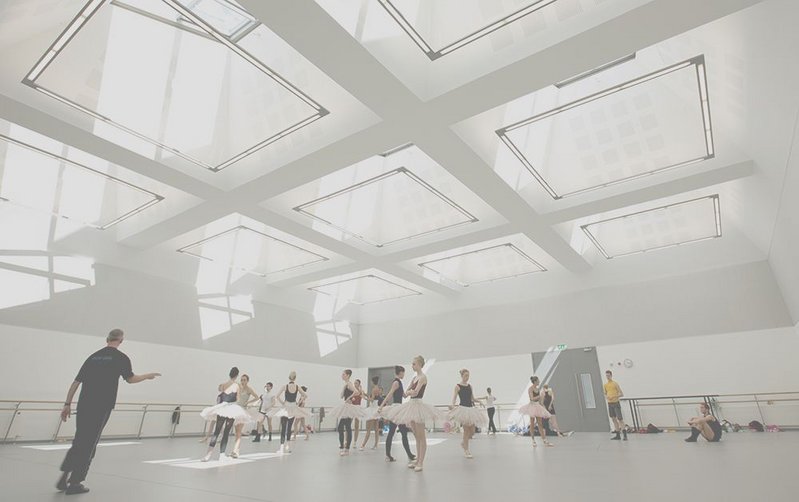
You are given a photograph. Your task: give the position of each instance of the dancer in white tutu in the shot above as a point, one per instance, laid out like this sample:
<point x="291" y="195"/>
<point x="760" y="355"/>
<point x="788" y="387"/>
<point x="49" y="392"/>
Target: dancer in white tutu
<point x="372" y="416"/>
<point x="299" y="423"/>
<point x="288" y="410"/>
<point x="415" y="412"/>
<point x="357" y="399"/>
<point x="393" y="400"/>
<point x="227" y="413"/>
<point x="466" y="414"/>
<point x="247" y="396"/>
<point x="345" y="412"/>
<point x="536" y="411"/>
<point x="267" y="402"/>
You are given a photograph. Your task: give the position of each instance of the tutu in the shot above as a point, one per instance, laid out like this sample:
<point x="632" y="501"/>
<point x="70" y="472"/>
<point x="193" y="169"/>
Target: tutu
<point x="227" y="410"/>
<point x="290" y="410"/>
<point x="371" y="413"/>
<point x="534" y="410"/>
<point x="413" y="410"/>
<point x="469" y="416"/>
<point x="347" y="410"/>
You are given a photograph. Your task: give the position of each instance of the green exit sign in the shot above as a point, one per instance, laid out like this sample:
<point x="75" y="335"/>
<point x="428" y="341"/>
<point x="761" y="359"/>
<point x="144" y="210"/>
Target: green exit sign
<point x="562" y="346"/>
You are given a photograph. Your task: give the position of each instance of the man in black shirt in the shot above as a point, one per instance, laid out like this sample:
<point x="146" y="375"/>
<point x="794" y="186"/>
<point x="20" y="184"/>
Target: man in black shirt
<point x="100" y="378"/>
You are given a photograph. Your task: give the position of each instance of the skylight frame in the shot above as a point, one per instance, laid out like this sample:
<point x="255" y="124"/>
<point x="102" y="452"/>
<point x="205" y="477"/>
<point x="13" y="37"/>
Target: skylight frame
<point x="717" y="216"/>
<point x="434" y="54"/>
<point x="86" y="13"/>
<point x="470" y="218"/>
<point x="541" y="268"/>
<point x="413" y="292"/>
<point x="704" y="103"/>
<point x="185" y="250"/>
<point x="156" y="198"/>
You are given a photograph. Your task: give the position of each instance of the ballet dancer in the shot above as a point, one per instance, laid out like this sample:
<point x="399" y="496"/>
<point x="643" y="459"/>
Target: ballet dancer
<point x="466" y="414"/>
<point x="246" y="397"/>
<point x="415" y="413"/>
<point x="227" y="413"/>
<point x="345" y="412"/>
<point x="393" y="400"/>
<point x="299" y="424"/>
<point x="536" y="411"/>
<point x="705" y="425"/>
<point x="357" y="398"/>
<point x="267" y="402"/>
<point x="288" y="410"/>
<point x="372" y="416"/>
<point x="549" y="404"/>
<point x="490" y="407"/>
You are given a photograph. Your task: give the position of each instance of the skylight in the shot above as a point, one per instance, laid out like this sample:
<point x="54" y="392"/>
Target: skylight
<point x="465" y="20"/>
<point x="365" y="289"/>
<point x="644" y="126"/>
<point x="250" y="250"/>
<point x="405" y="205"/>
<point x="186" y="87"/>
<point x="37" y="179"/>
<point x="492" y="263"/>
<point x="658" y="228"/>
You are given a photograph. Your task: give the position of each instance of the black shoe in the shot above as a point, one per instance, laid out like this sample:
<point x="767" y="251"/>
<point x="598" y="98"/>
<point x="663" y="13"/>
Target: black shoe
<point x="62" y="482"/>
<point x="257" y="438"/>
<point x="624" y="434"/>
<point x="412" y="458"/>
<point x="75" y="489"/>
<point x="690" y="440"/>
<point x="616" y="437"/>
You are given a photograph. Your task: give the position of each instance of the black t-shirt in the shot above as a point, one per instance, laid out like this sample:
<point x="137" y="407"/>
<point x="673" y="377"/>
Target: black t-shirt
<point x="99" y="378"/>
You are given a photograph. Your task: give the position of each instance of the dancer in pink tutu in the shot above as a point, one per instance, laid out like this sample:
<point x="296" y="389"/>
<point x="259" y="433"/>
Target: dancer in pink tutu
<point x="465" y="413"/>
<point x="415" y="412"/>
<point x="536" y="411"/>
<point x="345" y="412"/>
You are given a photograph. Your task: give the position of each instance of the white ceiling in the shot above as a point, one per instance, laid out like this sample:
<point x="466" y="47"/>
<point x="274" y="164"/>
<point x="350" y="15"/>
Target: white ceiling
<point x="465" y="190"/>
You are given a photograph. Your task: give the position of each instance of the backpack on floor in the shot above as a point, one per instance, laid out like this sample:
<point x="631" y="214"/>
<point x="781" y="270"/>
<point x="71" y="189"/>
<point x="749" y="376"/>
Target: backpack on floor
<point x="652" y="429"/>
<point x="754" y="425"/>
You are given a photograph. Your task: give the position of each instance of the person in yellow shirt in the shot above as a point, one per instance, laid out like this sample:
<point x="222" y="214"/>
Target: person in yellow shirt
<point x="612" y="395"/>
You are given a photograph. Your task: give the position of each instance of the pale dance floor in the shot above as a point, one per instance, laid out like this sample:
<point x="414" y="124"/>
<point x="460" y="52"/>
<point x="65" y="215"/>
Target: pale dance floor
<point x="743" y="467"/>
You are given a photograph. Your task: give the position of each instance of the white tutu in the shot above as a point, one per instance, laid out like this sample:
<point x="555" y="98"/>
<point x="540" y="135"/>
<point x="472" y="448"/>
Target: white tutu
<point x="227" y="410"/>
<point x="465" y="415"/>
<point x="413" y="410"/>
<point x="534" y="410"/>
<point x="371" y="413"/>
<point x="290" y="410"/>
<point x="346" y="410"/>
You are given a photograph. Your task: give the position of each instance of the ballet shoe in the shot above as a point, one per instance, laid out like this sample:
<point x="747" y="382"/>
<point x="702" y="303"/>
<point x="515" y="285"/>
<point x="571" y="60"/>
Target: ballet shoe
<point x="418" y="468"/>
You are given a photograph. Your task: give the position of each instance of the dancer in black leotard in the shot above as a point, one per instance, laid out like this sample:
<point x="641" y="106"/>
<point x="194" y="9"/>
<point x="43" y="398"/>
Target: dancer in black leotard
<point x="345" y="412"/>
<point x="705" y="425"/>
<point x="466" y="414"/>
<point x="288" y="411"/>
<point x="372" y="413"/>
<point x="227" y="412"/>
<point x="549" y="404"/>
<point x="536" y="411"/>
<point x="394" y="398"/>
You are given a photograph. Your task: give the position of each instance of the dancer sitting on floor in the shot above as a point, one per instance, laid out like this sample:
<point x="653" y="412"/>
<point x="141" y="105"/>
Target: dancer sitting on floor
<point x="705" y="425"/>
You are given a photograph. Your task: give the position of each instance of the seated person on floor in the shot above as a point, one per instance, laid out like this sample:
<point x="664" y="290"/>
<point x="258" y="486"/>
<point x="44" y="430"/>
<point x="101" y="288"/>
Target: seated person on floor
<point x="705" y="425"/>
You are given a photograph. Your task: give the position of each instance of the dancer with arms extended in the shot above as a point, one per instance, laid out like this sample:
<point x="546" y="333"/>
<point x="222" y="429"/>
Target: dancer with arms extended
<point x="536" y="411"/>
<point x="416" y="413"/>
<point x="465" y="413"/>
<point x="392" y="401"/>
<point x="491" y="408"/>
<point x="99" y="382"/>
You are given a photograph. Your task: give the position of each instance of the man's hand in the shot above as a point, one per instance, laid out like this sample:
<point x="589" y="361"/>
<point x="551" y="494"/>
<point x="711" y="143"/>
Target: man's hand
<point x="151" y="376"/>
<point x="66" y="411"/>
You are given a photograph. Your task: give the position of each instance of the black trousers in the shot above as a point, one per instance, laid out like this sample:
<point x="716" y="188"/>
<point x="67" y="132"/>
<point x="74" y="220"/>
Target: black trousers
<point x="89" y="425"/>
<point x="403" y="429"/>
<point x="344" y="424"/>
<point x="227" y="423"/>
<point x="286" y="426"/>
<point x="491" y="426"/>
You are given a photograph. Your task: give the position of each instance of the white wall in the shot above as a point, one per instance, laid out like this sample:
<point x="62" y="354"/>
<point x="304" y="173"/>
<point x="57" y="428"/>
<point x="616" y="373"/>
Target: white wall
<point x="726" y="300"/>
<point x="41" y="364"/>
<point x="166" y="312"/>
